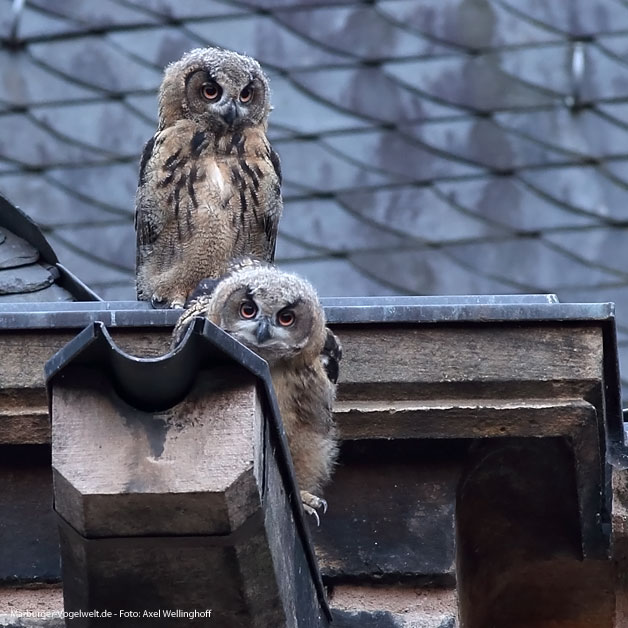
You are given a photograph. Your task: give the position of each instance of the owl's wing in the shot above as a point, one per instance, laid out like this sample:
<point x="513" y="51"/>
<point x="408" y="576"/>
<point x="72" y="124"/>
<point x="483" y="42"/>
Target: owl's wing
<point x="149" y="213"/>
<point x="149" y="219"/>
<point x="331" y="356"/>
<point x="271" y="219"/>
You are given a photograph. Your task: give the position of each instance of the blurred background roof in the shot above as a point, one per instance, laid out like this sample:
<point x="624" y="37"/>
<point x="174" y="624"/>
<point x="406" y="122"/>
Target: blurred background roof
<point x="432" y="147"/>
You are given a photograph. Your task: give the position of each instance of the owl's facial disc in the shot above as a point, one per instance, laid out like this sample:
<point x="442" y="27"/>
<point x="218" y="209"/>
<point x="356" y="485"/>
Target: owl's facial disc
<point x="268" y="329"/>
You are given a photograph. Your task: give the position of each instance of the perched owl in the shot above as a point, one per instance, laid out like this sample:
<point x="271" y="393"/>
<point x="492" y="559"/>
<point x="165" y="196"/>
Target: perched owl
<point x="278" y="316"/>
<point x="209" y="184"/>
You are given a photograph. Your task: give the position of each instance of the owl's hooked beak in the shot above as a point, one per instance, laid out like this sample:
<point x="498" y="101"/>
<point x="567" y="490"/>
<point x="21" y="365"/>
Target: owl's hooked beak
<point x="230" y="113"/>
<point x="263" y="332"/>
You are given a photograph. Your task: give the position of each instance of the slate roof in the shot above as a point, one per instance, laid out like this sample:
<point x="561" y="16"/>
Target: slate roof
<point x="29" y="269"/>
<point x="433" y="147"/>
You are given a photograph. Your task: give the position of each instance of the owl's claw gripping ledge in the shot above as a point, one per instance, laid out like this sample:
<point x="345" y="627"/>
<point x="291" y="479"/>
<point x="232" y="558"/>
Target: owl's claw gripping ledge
<point x="160" y="303"/>
<point x="312" y="503"/>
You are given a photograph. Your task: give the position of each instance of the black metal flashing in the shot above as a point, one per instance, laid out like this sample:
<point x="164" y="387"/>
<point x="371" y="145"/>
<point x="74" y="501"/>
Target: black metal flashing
<point x="15" y="220"/>
<point x="338" y="310"/>
<point x="157" y="383"/>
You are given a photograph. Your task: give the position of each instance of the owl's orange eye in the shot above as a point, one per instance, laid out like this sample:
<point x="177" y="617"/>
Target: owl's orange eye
<point x="248" y="309"/>
<point x="210" y="91"/>
<point x="286" y="318"/>
<point x="246" y="94"/>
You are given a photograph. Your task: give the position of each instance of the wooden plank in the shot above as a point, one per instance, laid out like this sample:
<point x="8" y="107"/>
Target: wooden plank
<point x="382" y="362"/>
<point x="467" y="418"/>
<point x="423" y="361"/>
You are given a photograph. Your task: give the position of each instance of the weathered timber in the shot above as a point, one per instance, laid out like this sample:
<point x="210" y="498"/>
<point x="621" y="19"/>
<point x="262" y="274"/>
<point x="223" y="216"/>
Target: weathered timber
<point x="190" y="507"/>
<point x="477" y="435"/>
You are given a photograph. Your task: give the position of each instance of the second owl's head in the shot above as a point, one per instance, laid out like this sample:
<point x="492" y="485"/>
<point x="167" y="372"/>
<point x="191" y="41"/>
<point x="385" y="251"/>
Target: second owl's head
<point x="220" y="89"/>
<point x="274" y="313"/>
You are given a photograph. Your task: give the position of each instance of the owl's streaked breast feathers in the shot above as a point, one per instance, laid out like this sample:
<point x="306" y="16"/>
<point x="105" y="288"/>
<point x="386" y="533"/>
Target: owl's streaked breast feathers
<point x="209" y="184"/>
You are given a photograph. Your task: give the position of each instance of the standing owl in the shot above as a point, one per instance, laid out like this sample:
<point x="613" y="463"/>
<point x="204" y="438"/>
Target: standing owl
<point x="278" y="316"/>
<point x="209" y="184"/>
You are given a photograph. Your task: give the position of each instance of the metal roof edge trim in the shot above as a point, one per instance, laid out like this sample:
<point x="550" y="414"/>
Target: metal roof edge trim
<point x="338" y="312"/>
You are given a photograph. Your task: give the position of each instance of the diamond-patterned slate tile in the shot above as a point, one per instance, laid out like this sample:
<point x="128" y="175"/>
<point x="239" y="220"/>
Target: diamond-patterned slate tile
<point x="326" y="224"/>
<point x="34" y="23"/>
<point x="124" y="291"/>
<point x="290" y="250"/>
<point x="8" y="167"/>
<point x="338" y="278"/>
<point x="529" y="263"/>
<point x="24" y="141"/>
<point x="48" y="205"/>
<point x="295" y="110"/>
<point x="613" y="45"/>
<point x="189" y="8"/>
<point x="279" y="4"/>
<point x="576" y="17"/>
<point x="427" y="271"/>
<point x="585" y="133"/>
<point x="155" y="46"/>
<point x="616" y="112"/>
<point x="266" y="40"/>
<point x="113" y="245"/>
<point x="508" y="202"/>
<point x="94" y="270"/>
<point x="617" y="171"/>
<point x="605" y="77"/>
<point x="105" y="126"/>
<point x="95" y="15"/>
<point x="343" y="28"/>
<point x="483" y="142"/>
<point x="24" y="83"/>
<point x="368" y="92"/>
<point x="585" y="189"/>
<point x="602" y="247"/>
<point x="96" y="63"/>
<point x="483" y="83"/>
<point x="401" y="156"/>
<point x="416" y="213"/>
<point x="309" y="165"/>
<point x="111" y="186"/>
<point x="470" y="25"/>
<point x="145" y="106"/>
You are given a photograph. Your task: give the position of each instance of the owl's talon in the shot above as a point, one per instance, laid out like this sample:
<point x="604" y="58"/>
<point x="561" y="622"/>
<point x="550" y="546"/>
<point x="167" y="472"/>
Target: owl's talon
<point x="161" y="303"/>
<point x="310" y="511"/>
<point x="312" y="503"/>
<point x="158" y="303"/>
